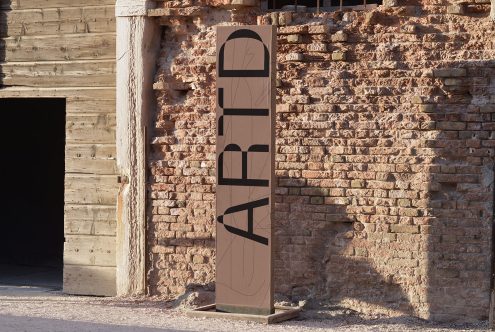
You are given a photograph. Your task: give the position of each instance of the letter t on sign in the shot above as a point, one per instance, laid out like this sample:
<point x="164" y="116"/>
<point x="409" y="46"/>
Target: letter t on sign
<point x="245" y="117"/>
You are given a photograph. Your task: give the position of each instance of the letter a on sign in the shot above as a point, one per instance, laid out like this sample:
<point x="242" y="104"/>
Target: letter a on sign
<point x="245" y="168"/>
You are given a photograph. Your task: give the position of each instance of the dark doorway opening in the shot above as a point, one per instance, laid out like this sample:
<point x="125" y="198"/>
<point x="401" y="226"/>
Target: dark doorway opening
<point x="32" y="153"/>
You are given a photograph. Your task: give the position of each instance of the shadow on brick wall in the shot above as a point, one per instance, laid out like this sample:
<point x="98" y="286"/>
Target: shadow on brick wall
<point x="321" y="252"/>
<point x="459" y="215"/>
<point x="415" y="238"/>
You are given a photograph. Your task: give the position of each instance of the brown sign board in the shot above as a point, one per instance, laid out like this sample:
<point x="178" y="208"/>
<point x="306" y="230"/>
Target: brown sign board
<point x="245" y="118"/>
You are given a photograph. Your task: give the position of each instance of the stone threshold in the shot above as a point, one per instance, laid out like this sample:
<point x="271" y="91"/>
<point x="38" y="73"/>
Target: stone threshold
<point x="282" y="313"/>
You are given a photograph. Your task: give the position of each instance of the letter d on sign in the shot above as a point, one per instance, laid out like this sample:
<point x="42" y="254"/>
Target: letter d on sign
<point x="245" y="116"/>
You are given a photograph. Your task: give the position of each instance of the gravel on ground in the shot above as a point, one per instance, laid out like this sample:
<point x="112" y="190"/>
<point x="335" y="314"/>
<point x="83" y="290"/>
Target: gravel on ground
<point x="37" y="310"/>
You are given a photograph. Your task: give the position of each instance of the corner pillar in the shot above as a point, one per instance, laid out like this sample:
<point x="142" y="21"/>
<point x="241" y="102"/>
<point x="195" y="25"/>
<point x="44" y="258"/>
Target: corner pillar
<point x="138" y="39"/>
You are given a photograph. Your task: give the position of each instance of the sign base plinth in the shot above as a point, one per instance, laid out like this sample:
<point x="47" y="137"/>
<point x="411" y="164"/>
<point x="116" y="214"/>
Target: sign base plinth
<point x="281" y="314"/>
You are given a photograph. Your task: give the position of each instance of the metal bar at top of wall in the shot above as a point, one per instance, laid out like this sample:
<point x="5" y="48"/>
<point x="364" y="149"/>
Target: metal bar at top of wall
<point x="245" y="168"/>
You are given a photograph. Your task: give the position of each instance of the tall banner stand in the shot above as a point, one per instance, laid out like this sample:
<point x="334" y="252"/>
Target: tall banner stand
<point x="245" y="159"/>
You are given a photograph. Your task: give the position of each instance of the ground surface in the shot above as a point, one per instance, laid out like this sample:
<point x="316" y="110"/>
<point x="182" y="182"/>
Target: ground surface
<point x="43" y="308"/>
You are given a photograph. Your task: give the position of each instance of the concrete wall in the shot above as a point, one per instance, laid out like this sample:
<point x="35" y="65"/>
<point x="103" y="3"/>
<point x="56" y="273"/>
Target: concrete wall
<point x="385" y="148"/>
<point x="66" y="49"/>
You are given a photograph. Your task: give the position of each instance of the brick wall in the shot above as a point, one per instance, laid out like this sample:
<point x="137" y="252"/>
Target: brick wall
<point x="385" y="136"/>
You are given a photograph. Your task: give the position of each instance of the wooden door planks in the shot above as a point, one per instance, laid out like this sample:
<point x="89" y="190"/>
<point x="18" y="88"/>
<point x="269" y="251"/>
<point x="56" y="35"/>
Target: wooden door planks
<point x="90" y="128"/>
<point x="90" y="189"/>
<point x="90" y="220"/>
<point x="56" y="21"/>
<point x="89" y="280"/>
<point x="59" y="73"/>
<point x="71" y="93"/>
<point x="33" y="4"/>
<point x="88" y="46"/>
<point x="89" y="250"/>
<point x="90" y="159"/>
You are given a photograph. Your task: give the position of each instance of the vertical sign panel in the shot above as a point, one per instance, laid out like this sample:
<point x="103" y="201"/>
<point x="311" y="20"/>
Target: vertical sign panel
<point x="245" y="168"/>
